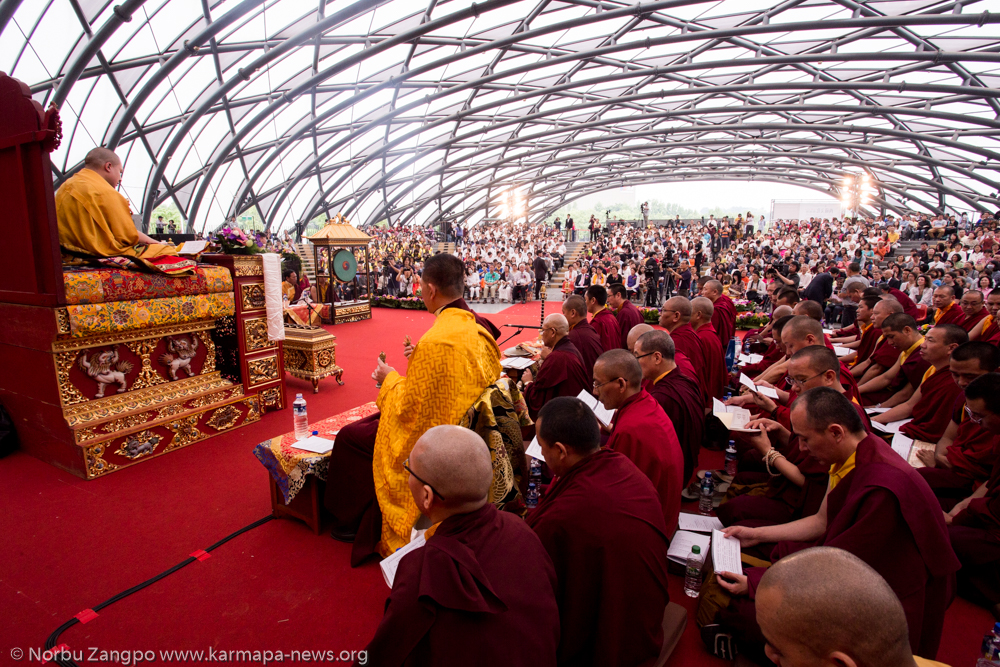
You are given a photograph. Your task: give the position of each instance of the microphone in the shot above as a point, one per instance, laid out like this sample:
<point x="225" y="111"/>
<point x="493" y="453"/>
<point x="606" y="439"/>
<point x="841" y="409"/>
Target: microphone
<point x="520" y="326"/>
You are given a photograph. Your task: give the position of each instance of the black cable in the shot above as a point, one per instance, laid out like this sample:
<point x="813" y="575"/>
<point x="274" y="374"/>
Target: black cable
<point x="50" y="643"/>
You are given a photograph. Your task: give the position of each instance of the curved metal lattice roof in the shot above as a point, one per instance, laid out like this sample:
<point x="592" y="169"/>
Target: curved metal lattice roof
<point x="421" y="109"/>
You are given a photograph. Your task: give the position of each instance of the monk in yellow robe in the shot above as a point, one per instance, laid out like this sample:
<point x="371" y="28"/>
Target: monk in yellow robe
<point x="449" y="368"/>
<point x="95" y="220"/>
<point x="289" y="290"/>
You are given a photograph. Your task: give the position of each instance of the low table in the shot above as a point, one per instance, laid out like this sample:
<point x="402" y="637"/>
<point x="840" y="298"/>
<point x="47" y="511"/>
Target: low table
<point x="311" y="354"/>
<point x="297" y="478"/>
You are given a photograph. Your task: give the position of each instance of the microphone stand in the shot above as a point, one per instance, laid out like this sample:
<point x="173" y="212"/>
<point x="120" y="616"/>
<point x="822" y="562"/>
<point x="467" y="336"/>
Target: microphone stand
<point x="520" y="329"/>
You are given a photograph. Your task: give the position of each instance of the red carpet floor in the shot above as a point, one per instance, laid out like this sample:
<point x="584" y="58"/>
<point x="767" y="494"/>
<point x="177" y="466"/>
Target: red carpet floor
<point x="71" y="544"/>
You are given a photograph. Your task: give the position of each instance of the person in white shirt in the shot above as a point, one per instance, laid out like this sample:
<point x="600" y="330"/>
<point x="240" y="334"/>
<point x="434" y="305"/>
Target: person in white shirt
<point x="472" y="283"/>
<point x="522" y="282"/>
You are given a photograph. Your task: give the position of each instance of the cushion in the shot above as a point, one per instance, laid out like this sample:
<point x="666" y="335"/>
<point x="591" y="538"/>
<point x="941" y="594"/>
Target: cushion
<point x="85" y="285"/>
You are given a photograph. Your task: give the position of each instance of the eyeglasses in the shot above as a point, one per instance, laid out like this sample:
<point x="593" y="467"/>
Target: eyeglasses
<point x="790" y="380"/>
<point x="973" y="417"/>
<point x="406" y="467"/>
<point x="640" y="356"/>
<point x="599" y="385"/>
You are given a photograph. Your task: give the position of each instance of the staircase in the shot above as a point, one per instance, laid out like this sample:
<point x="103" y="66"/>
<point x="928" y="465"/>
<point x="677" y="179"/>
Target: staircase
<point x="573" y="251"/>
<point x="902" y="250"/>
<point x="449" y="248"/>
<point x="305" y="252"/>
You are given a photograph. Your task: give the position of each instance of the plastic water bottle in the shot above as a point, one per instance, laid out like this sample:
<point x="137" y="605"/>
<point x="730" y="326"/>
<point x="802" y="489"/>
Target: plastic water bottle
<point x="990" y="653"/>
<point x="535" y="474"/>
<point x="692" y="573"/>
<point x="300" y="418"/>
<point x="731" y="459"/>
<point x="731" y="353"/>
<point x="707" y="494"/>
<point x="532" y="498"/>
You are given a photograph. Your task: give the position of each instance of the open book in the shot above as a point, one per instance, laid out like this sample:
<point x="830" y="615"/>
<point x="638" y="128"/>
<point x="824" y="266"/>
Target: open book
<point x="603" y="414"/>
<point x="390" y="563"/>
<point x="734" y="417"/>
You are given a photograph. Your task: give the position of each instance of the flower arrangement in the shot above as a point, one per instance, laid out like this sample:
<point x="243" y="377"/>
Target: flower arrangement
<point x="749" y="320"/>
<point x="743" y="305"/>
<point x="234" y="241"/>
<point x="406" y="302"/>
<point x="650" y="315"/>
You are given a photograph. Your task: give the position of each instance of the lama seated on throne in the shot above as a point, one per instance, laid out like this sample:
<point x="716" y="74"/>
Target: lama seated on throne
<point x="95" y="222"/>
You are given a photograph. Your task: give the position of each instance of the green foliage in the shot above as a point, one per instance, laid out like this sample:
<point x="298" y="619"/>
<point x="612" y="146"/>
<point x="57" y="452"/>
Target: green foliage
<point x="169" y="211"/>
<point x="657" y="211"/>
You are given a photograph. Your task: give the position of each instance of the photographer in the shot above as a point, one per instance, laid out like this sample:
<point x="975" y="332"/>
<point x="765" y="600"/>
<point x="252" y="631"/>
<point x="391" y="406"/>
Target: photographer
<point x="652" y="275"/>
<point x="682" y="279"/>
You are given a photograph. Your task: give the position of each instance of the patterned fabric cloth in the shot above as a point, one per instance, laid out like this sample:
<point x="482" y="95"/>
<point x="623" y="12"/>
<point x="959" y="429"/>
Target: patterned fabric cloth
<point x="289" y="466"/>
<point x="89" y="285"/>
<point x="497" y="416"/>
<point x="118" y="316"/>
<point x="299" y="313"/>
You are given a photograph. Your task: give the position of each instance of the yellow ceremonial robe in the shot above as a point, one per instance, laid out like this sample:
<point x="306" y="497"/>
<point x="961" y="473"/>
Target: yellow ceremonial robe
<point x="94" y="219"/>
<point x="449" y="369"/>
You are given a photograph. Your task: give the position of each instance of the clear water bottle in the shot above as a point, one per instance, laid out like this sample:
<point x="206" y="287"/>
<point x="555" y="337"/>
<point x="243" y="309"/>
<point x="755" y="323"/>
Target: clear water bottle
<point x="731" y="458"/>
<point x="535" y="474"/>
<point x="990" y="651"/>
<point x="731" y="353"/>
<point x="707" y="493"/>
<point x="692" y="573"/>
<point x="300" y="418"/>
<point x="532" y="499"/>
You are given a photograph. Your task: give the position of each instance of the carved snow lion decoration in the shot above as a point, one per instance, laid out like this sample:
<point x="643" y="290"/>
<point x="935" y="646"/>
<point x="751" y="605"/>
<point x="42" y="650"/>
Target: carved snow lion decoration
<point x="180" y="353"/>
<point x="105" y="368"/>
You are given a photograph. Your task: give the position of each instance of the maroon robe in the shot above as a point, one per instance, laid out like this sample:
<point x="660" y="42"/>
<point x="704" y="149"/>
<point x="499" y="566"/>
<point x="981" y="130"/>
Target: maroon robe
<point x="685" y="366"/>
<point x="680" y="398"/>
<point x="482" y="586"/>
<point x="975" y="536"/>
<point x="991" y="333"/>
<point x="952" y="315"/>
<point x="715" y="362"/>
<point x="885" y="353"/>
<point x="932" y="412"/>
<point x="972" y="455"/>
<point x="606" y="325"/>
<point x="686" y="342"/>
<point x="561" y="374"/>
<point x="350" y="487"/>
<point x="724" y="319"/>
<point x="911" y="372"/>
<point x="641" y="431"/>
<point x="885" y="514"/>
<point x="909" y="307"/>
<point x="588" y="342"/>
<point x="628" y="317"/>
<point x="603" y="527"/>
<point x="868" y="339"/>
<point x="772" y="355"/>
<point x="969" y="323"/>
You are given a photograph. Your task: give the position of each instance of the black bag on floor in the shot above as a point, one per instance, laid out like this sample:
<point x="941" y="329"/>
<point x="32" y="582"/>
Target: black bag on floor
<point x="8" y="436"/>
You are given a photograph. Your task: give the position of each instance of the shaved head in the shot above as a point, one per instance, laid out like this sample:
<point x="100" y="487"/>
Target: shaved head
<point x="809" y="309"/>
<point x="457" y="462"/>
<point x="657" y="341"/>
<point x="679" y="304"/>
<point x="825" y="600"/>
<point x="637" y="331"/>
<point x="619" y="364"/>
<point x="98" y="157"/>
<point x="557" y="322"/>
<point x="714" y="287"/>
<point x="801" y="326"/>
<point x="704" y="306"/>
<point x="781" y="311"/>
<point x="575" y="308"/>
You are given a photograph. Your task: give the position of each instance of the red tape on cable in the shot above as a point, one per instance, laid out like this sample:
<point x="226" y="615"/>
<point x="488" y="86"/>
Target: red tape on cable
<point x="201" y="554"/>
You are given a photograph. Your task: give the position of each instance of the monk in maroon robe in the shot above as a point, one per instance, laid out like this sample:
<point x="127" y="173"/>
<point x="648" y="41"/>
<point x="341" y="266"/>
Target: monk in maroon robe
<point x="878" y="508"/>
<point x="603" y="320"/>
<point x="677" y="394"/>
<point x="582" y="333"/>
<point x="905" y="373"/>
<point x="724" y="314"/>
<point x="974" y="309"/>
<point x="601" y="522"/>
<point x="909" y="307"/>
<point x="640" y="430"/>
<point x="350" y="488"/>
<point x="675" y="317"/>
<point x="712" y="352"/>
<point x="988" y="331"/>
<point x="948" y="311"/>
<point x="483" y="584"/>
<point x="931" y="404"/>
<point x="975" y="522"/>
<point x="628" y="315"/>
<point x="562" y="372"/>
<point x="772" y="355"/>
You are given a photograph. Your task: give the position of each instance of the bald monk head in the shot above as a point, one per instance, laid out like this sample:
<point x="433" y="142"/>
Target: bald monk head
<point x="554" y="329"/>
<point x="941" y="341"/>
<point x="883" y="309"/>
<point x="900" y="330"/>
<point x="786" y="296"/>
<point x="814" y="366"/>
<point x="972" y="360"/>
<point x="675" y="312"/>
<point x="617" y="377"/>
<point x="983" y="398"/>
<point x="450" y="472"/>
<point x="702" y="310"/>
<point x="442" y="281"/>
<point x="827" y="425"/>
<point x="825" y="606"/>
<point x="801" y="331"/>
<point x="943" y="297"/>
<point x="972" y="303"/>
<point x="574" y="309"/>
<point x="712" y="290"/>
<point x="782" y="311"/>
<point x="106" y="164"/>
<point x="865" y="309"/>
<point x="597" y="298"/>
<point x="655" y="351"/>
<point x="567" y="432"/>
<point x="634" y="333"/>
<point x="809" y="309"/>
<point x="993" y="303"/>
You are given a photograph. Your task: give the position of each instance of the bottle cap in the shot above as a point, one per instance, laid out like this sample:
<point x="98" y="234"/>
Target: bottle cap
<point x="298" y="395"/>
<point x="708" y="474"/>
<point x="315" y="432"/>
<point x="696" y="549"/>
